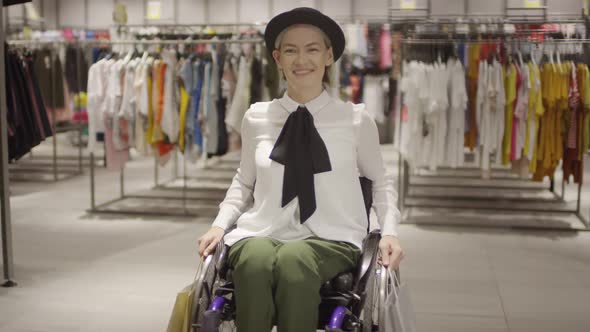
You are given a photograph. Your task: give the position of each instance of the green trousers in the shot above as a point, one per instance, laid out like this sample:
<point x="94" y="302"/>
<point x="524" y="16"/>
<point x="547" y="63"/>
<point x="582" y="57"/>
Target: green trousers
<point x="280" y="282"/>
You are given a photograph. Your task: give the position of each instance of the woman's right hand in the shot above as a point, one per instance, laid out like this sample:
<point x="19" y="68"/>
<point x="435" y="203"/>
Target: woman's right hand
<point x="208" y="242"/>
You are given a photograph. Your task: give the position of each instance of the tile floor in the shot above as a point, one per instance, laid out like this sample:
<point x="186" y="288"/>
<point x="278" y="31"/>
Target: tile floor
<point x="88" y="273"/>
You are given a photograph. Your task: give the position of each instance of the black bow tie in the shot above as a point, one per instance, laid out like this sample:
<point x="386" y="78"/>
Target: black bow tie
<point x="302" y="151"/>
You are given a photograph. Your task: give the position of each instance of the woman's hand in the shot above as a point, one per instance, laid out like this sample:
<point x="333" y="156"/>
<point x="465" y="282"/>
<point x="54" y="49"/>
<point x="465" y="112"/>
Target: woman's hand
<point x="208" y="242"/>
<point x="391" y="251"/>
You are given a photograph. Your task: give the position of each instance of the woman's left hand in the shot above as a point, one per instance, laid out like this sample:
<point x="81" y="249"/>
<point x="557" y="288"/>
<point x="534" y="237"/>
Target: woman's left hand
<point x="391" y="251"/>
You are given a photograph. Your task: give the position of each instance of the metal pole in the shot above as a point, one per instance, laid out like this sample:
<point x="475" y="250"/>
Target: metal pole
<point x="92" y="188"/>
<point x="400" y="161"/>
<point x="79" y="107"/>
<point x="156" y="169"/>
<point x="175" y="164"/>
<point x="122" y="182"/>
<point x="184" y="185"/>
<point x="4" y="181"/>
<point x="53" y="111"/>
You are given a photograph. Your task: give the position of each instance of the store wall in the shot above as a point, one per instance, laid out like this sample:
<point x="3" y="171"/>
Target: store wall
<point x="98" y="13"/>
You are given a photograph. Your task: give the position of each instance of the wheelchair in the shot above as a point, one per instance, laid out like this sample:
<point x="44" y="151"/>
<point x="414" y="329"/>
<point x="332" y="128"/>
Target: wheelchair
<point x="351" y="301"/>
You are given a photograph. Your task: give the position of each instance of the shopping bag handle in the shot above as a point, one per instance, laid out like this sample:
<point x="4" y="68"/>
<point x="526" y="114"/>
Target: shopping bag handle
<point x="393" y="276"/>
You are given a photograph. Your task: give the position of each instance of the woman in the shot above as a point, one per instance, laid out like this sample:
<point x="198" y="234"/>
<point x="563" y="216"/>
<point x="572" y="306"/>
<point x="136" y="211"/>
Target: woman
<point x="305" y="153"/>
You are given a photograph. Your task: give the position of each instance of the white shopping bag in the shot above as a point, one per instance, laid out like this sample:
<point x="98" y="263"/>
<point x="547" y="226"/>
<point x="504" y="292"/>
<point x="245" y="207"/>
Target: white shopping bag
<point x="398" y="311"/>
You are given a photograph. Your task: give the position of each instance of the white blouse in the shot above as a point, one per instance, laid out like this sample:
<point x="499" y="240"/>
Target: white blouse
<point x="352" y="142"/>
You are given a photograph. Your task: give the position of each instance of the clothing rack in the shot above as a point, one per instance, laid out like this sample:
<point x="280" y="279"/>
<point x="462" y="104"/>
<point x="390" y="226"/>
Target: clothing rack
<point x="522" y="13"/>
<point x="183" y="197"/>
<point x="404" y="172"/>
<point x="58" y="173"/>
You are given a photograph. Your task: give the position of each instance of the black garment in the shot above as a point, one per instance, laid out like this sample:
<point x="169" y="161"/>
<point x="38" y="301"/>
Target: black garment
<point x="27" y="119"/>
<point x="24" y="135"/>
<point x="222" y="136"/>
<point x="39" y="99"/>
<point x="6" y="3"/>
<point x="76" y="69"/>
<point x="302" y="151"/>
<point x="271" y="77"/>
<point x="50" y="74"/>
<point x="256" y="85"/>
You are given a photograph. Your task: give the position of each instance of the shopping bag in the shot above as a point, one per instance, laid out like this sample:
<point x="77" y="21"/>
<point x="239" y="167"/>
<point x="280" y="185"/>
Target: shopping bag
<point x="180" y="319"/>
<point x="398" y="312"/>
<point x="181" y="312"/>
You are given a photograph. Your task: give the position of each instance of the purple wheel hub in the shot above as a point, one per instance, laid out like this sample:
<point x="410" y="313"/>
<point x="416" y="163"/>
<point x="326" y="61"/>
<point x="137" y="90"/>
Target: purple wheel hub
<point x="217" y="303"/>
<point x="337" y="318"/>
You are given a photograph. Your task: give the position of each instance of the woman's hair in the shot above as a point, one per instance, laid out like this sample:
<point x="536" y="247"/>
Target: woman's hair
<point x="327" y="79"/>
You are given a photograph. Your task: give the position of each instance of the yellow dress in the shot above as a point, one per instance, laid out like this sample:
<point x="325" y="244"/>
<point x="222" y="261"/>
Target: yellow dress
<point x="184" y="101"/>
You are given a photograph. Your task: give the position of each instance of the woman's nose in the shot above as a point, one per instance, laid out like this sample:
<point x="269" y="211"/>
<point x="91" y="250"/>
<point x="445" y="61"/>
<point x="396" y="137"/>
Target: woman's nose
<point x="300" y="58"/>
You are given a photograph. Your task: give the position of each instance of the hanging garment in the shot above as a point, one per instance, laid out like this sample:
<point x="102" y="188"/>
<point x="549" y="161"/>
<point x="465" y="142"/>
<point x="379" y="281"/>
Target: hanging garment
<point x="572" y="163"/>
<point x="490" y="111"/>
<point x="49" y="70"/>
<point x="142" y="104"/>
<point x="535" y="111"/>
<point x="470" y="116"/>
<point x="169" y="119"/>
<point x="186" y="76"/>
<point x="510" y="88"/>
<point x="115" y="158"/>
<point x="456" y="114"/>
<point x="374" y="97"/>
<point x="124" y="118"/>
<point x="222" y="135"/>
<point x="212" y="111"/>
<point x="241" y="99"/>
<point x="97" y="101"/>
<point x="76" y="69"/>
<point x="26" y="117"/>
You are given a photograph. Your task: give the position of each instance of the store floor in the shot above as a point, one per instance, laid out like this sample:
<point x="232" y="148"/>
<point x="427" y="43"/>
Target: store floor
<point x="81" y="272"/>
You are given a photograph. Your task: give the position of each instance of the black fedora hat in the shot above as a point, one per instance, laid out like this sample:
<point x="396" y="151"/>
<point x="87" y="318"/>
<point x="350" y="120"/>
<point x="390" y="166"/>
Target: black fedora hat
<point x="305" y="15"/>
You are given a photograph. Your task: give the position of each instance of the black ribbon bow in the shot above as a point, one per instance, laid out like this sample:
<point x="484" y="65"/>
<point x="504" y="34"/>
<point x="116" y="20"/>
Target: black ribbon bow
<point x="302" y="151"/>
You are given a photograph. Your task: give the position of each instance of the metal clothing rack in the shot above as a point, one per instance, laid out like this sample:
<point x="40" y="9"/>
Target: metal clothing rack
<point x="26" y="166"/>
<point x="5" y="218"/>
<point x="522" y="14"/>
<point x="185" y="189"/>
<point x="404" y="171"/>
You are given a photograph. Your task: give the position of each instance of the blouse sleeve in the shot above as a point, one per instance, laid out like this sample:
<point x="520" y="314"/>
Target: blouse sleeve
<point x="370" y="164"/>
<point x="239" y="195"/>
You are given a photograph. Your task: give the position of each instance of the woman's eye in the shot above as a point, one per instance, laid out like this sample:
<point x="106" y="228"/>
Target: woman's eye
<point x="290" y="50"/>
<point x="313" y="50"/>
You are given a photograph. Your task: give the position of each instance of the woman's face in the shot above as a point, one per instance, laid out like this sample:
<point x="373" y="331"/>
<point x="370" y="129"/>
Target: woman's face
<point x="303" y="56"/>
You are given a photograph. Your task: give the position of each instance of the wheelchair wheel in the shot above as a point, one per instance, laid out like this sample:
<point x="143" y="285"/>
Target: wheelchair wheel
<point x="370" y="312"/>
<point x="203" y="293"/>
<point x="203" y="319"/>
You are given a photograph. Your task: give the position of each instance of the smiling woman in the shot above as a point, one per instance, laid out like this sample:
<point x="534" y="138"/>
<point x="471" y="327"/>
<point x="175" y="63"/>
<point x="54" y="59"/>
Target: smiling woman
<point x="308" y="218"/>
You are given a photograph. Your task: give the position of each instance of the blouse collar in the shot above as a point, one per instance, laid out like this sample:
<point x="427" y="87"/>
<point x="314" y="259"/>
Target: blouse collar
<point x="314" y="105"/>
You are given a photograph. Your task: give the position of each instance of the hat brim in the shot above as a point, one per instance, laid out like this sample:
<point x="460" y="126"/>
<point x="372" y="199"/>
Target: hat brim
<point x="305" y="16"/>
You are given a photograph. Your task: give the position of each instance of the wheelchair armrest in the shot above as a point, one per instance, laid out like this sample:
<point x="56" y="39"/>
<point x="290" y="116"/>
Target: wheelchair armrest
<point x="368" y="258"/>
<point x="221" y="253"/>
